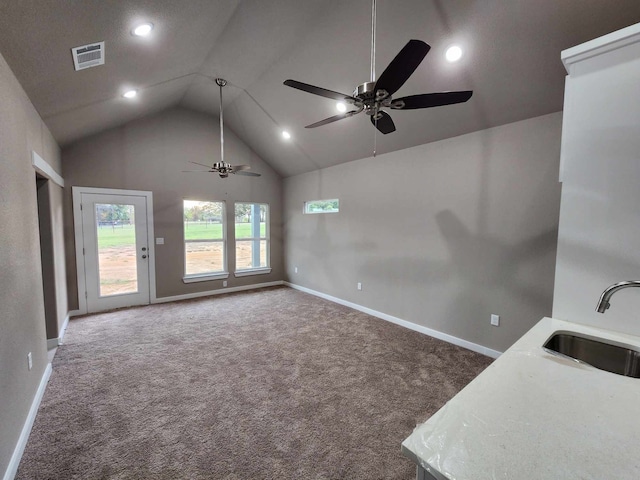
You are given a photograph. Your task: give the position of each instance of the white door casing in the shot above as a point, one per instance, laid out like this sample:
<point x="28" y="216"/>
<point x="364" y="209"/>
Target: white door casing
<point x="97" y="290"/>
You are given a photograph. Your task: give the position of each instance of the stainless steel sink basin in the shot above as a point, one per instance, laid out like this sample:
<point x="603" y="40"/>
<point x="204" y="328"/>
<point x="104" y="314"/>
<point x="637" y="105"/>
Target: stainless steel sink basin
<point x="617" y="359"/>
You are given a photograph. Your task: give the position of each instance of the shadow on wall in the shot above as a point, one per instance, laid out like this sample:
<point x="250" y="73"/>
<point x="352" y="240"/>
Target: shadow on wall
<point x="319" y="245"/>
<point x="475" y="260"/>
<point x="483" y="260"/>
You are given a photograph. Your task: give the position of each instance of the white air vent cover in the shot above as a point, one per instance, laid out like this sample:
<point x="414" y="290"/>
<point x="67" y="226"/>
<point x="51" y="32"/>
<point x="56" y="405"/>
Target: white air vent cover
<point x="88" y="56"/>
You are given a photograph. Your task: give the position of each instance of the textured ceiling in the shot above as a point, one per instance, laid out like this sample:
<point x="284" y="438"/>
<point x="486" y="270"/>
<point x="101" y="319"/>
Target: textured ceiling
<point x="512" y="62"/>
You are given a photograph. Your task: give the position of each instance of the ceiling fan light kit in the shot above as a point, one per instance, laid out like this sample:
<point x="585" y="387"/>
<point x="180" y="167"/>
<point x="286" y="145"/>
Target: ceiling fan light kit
<point x="374" y="96"/>
<point x="222" y="168"/>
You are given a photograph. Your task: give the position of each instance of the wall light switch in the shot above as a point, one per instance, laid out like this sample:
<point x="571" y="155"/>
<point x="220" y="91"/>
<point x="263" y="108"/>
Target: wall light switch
<point x="495" y="320"/>
<point x="159" y="240"/>
<point x="359" y="286"/>
<point x="29" y="360"/>
<point x="224" y="283"/>
<point x="295" y="269"/>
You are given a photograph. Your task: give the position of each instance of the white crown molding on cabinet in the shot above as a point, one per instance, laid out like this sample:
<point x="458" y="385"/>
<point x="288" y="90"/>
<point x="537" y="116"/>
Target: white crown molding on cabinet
<point x="598" y="46"/>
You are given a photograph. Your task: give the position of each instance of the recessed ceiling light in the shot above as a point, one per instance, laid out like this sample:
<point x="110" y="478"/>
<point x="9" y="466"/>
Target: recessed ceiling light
<point x="143" y="30"/>
<point x="130" y="94"/>
<point x="341" y="106"/>
<point x="453" y="54"/>
<point x="286" y="135"/>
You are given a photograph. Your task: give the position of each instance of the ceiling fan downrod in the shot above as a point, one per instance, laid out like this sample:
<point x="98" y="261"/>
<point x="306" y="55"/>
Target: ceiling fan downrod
<point x="221" y="83"/>
<point x="373" y="40"/>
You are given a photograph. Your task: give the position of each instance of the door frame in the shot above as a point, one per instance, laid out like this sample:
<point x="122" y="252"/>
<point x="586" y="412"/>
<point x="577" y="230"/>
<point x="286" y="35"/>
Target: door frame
<point x="79" y="240"/>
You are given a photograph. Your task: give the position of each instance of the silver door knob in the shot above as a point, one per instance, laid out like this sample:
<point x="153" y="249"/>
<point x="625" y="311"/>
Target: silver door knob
<point x="144" y="249"/>
<point x="144" y="256"/>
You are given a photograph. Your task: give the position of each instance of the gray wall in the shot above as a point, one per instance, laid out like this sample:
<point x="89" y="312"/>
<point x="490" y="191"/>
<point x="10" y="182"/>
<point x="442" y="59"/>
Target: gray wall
<point x="22" y="321"/>
<point x="441" y="235"/>
<point x="149" y="154"/>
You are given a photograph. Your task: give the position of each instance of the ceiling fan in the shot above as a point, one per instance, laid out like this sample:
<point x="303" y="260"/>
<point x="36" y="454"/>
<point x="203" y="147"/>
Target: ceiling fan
<point x="374" y="96"/>
<point x="223" y="168"/>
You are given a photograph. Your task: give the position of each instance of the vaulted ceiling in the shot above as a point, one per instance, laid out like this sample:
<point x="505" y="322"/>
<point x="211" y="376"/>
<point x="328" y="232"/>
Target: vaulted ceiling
<point x="511" y="61"/>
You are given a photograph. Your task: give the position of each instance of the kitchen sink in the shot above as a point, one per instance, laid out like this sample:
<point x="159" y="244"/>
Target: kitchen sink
<point x="618" y="359"/>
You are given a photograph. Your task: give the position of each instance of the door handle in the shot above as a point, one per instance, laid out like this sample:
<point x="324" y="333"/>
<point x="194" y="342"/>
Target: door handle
<point x="144" y="249"/>
<point x="144" y="256"/>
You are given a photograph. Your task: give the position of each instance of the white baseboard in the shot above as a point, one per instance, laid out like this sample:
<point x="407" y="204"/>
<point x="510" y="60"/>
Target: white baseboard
<point x="217" y="292"/>
<point x="75" y="313"/>
<point x="12" y="468"/>
<point x="56" y="342"/>
<point x="404" y="323"/>
<point x="63" y="330"/>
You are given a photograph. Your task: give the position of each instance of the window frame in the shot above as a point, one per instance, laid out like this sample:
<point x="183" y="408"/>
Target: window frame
<point x="207" y="276"/>
<point x="244" y="272"/>
<point x="308" y="202"/>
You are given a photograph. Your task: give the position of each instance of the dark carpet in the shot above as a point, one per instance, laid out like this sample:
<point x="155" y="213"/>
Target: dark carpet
<point x="265" y="384"/>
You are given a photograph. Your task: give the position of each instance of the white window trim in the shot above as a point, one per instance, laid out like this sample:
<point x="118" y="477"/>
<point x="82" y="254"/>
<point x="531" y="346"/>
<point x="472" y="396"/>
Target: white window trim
<point x="245" y="272"/>
<point x="252" y="271"/>
<point x="304" y="206"/>
<point x="204" y="277"/>
<point x="319" y="213"/>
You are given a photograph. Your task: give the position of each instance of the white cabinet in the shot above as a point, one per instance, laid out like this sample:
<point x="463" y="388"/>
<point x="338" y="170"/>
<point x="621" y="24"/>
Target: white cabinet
<point x="599" y="231"/>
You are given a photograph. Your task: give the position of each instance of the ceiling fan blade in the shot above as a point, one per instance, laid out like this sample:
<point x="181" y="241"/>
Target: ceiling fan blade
<point x="323" y="92"/>
<point x="384" y="124"/>
<point x="401" y="67"/>
<point x="237" y="168"/>
<point x="198" y="171"/>
<point x="246" y="174"/>
<point x="201" y="164"/>
<point x="427" y="100"/>
<point x="335" y="118"/>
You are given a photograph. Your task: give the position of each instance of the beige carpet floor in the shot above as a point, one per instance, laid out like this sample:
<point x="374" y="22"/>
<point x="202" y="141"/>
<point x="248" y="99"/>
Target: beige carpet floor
<point x="264" y="384"/>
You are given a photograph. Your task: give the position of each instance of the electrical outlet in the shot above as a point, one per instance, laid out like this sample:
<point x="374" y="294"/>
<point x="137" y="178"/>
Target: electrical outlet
<point x="495" y="320"/>
<point x="295" y="269"/>
<point x="359" y="286"/>
<point x="29" y="360"/>
<point x="224" y="283"/>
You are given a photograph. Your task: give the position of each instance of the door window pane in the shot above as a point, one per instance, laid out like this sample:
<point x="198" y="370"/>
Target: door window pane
<point x="117" y="266"/>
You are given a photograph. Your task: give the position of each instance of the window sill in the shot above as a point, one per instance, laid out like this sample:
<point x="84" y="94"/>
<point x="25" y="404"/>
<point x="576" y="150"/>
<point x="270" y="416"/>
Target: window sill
<point x="254" y="271"/>
<point x="205" y="278"/>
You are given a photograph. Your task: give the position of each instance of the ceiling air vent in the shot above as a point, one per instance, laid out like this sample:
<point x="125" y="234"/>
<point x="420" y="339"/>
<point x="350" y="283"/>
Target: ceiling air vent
<point x="88" y="56"/>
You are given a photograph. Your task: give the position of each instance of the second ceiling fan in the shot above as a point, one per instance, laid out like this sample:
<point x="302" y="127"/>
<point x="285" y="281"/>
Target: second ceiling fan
<point x="222" y="168"/>
<point x="374" y="96"/>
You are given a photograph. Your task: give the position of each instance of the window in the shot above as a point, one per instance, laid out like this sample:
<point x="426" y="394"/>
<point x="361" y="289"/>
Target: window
<point x="322" y="206"/>
<point x="252" y="238"/>
<point x="204" y="241"/>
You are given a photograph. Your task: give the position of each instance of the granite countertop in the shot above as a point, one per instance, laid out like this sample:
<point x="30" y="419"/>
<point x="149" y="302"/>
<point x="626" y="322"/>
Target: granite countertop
<point x="533" y="415"/>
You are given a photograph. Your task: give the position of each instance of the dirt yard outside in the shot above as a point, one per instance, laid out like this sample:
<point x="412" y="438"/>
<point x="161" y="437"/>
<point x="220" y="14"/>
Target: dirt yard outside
<point x="117" y="260"/>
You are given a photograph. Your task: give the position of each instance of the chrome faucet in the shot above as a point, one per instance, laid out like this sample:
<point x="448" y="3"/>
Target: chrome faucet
<point x="603" y="304"/>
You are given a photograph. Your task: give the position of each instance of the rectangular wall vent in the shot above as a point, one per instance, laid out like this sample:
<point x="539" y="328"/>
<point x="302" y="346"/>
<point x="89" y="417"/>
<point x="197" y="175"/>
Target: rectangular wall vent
<point x="88" y="56"/>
